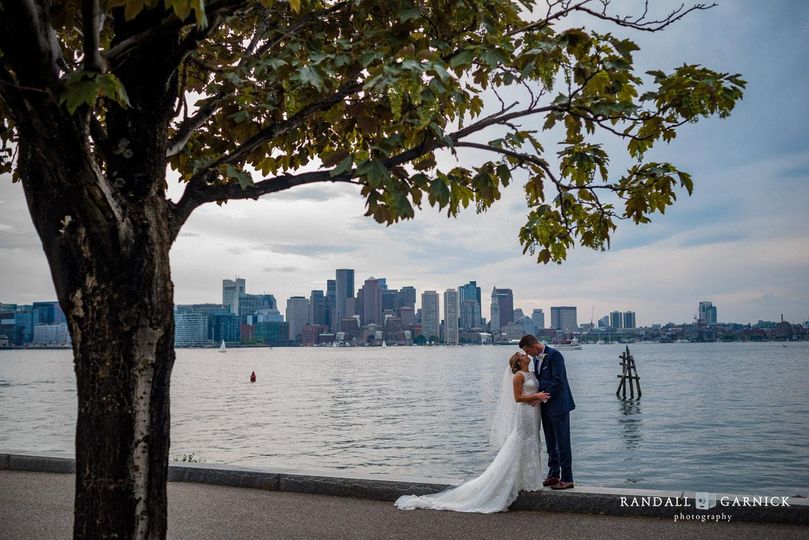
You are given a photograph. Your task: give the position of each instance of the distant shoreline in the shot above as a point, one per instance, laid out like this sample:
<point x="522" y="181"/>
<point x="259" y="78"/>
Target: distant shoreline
<point x="285" y="346"/>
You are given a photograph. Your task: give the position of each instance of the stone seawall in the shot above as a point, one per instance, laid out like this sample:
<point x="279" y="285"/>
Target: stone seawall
<point x="774" y="508"/>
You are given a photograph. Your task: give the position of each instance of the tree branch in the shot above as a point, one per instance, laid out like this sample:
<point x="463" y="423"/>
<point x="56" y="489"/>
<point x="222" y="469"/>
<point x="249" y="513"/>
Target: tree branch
<point x="91" y="27"/>
<point x="168" y="25"/>
<point x="275" y="129"/>
<point x="195" y="195"/>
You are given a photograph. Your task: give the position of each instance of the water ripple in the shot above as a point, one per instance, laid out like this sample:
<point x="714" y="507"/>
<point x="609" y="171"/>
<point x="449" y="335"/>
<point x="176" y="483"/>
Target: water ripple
<point x="712" y="417"/>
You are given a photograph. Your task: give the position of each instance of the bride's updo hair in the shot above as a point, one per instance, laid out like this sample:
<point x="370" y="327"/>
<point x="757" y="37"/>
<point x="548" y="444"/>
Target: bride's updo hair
<point x="514" y="361"/>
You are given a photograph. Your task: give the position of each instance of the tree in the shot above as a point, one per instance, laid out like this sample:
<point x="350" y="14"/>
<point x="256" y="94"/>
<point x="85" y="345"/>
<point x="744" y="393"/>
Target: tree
<point x="247" y="98"/>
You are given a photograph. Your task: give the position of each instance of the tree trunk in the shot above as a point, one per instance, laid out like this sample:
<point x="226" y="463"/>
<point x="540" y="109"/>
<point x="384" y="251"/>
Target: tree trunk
<point x="113" y="281"/>
<point x="124" y="352"/>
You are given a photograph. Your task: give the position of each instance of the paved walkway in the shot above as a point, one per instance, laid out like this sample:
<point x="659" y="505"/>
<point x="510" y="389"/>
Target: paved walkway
<point x="40" y="505"/>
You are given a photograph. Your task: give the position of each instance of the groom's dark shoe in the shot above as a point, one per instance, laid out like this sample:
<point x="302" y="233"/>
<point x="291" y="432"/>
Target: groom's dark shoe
<point x="563" y="485"/>
<point x="550" y="481"/>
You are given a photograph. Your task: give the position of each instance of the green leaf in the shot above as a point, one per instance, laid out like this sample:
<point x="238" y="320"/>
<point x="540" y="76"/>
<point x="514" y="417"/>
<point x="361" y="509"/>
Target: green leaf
<point x="462" y="59"/>
<point x="244" y="179"/>
<point x="85" y="87"/>
<point x="343" y="167"/>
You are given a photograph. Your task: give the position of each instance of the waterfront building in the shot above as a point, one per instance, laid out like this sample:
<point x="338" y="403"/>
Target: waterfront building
<point x="317" y="307"/>
<point x="272" y="332"/>
<point x="451" y="317"/>
<point x="231" y="290"/>
<point x="564" y="318"/>
<point x="372" y="302"/>
<point x="430" y="319"/>
<point x="224" y="327"/>
<point x="331" y="308"/>
<point x="616" y="319"/>
<point x="538" y="317"/>
<point x="191" y="328"/>
<point x="344" y="289"/>
<point x="470" y="302"/>
<point x="297" y="316"/>
<point x="51" y="335"/>
<point x="502" y="308"/>
<point x="629" y="319"/>
<point x="707" y="313"/>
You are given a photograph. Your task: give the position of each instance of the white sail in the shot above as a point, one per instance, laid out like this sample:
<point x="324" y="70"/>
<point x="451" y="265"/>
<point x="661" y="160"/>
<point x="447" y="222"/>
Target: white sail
<point x="222" y="347"/>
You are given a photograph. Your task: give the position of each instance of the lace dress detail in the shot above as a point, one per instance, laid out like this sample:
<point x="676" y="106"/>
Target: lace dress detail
<point x="517" y="467"/>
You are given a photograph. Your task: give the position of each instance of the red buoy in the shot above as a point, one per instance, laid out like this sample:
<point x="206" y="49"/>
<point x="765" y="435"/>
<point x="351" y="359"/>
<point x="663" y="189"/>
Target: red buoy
<point x="253" y="377"/>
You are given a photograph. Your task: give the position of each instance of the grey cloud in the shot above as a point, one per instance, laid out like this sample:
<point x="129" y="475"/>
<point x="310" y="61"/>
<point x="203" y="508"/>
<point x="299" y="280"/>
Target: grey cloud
<point x="312" y="194"/>
<point x="280" y="269"/>
<point x="309" y="250"/>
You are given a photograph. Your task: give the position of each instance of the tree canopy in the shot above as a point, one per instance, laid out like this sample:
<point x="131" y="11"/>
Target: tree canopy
<point x="267" y="95"/>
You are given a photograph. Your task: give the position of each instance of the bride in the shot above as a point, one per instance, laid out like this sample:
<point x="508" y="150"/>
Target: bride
<point x="517" y="465"/>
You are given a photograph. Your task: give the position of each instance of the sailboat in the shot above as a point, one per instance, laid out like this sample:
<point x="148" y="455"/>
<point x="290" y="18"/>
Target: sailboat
<point x="222" y="347"/>
<point x="384" y="344"/>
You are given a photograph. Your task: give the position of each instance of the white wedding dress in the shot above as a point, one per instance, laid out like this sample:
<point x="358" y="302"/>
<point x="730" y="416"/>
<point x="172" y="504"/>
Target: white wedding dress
<point x="516" y="467"/>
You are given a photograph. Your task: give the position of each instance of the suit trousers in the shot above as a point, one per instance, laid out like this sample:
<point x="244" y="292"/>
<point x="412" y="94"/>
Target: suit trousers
<point x="557" y="442"/>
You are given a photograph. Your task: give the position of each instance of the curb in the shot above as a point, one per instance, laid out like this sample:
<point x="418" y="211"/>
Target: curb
<point x="588" y="500"/>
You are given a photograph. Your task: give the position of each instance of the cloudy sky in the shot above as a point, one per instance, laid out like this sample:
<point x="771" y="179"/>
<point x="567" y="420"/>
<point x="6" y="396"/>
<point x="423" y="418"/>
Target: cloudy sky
<point x="741" y="241"/>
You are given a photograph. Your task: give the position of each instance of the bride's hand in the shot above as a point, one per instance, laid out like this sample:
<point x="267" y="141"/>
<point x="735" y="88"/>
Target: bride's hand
<point x="544" y="396"/>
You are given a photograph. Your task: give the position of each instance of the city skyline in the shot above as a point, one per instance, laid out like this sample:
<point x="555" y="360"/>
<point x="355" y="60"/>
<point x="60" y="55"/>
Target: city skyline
<point x="739" y="241"/>
<point x="230" y="289"/>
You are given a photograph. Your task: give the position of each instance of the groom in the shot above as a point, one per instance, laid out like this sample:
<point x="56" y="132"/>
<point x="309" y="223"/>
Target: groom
<point x="555" y="412"/>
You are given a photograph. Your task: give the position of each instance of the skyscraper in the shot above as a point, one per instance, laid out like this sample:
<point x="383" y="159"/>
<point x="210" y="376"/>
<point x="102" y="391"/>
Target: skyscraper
<point x="372" y="302"/>
<point x="297" y="316"/>
<point x="469" y="299"/>
<point x="406" y="298"/>
<point x="429" y="314"/>
<point x="707" y="312"/>
<point x="317" y="307"/>
<point x="502" y="307"/>
<point x="564" y="318"/>
<point x="538" y="317"/>
<point x="389" y="298"/>
<point x="344" y="288"/>
<point x="495" y="313"/>
<point x="231" y="289"/>
<point x="451" y="317"/>
<point x="629" y="319"/>
<point x="331" y="307"/>
<point x="616" y="319"/>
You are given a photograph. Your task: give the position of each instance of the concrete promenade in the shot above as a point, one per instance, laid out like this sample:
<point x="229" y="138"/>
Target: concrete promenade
<point x="206" y="501"/>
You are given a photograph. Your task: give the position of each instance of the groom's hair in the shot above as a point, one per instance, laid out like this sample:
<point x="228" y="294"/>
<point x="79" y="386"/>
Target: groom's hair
<point x="528" y="340"/>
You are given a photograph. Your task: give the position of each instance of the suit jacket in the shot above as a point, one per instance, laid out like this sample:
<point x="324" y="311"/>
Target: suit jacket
<point x="552" y="378"/>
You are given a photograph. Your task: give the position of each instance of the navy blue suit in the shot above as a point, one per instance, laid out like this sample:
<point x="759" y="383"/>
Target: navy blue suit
<point x="556" y="413"/>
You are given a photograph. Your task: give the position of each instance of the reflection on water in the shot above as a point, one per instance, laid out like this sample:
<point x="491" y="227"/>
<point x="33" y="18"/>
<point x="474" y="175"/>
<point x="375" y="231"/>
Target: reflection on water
<point x="424" y="412"/>
<point x="631" y="423"/>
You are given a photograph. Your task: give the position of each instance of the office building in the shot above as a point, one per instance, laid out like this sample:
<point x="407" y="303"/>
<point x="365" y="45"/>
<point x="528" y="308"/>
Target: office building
<point x="629" y="319"/>
<point x="343" y="290"/>
<point x="470" y="305"/>
<point x="190" y="328"/>
<point x="502" y="308"/>
<point x="564" y="318"/>
<point x="430" y="319"/>
<point x="297" y="316"/>
<point x="317" y="308"/>
<point x="451" y="317"/>
<point x="231" y="290"/>
<point x="616" y="319"/>
<point x="707" y="313"/>
<point x="538" y="316"/>
<point x="372" y="302"/>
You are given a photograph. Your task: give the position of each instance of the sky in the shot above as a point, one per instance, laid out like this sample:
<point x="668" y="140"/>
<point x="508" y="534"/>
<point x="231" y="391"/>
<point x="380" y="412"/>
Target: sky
<point x="741" y="240"/>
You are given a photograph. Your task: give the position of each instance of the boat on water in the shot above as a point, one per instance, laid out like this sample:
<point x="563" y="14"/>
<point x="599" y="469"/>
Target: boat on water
<point x="222" y="347"/>
<point x="568" y="345"/>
